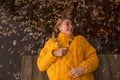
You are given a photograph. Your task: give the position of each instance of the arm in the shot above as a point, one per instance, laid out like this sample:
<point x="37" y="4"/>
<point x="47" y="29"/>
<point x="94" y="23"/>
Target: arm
<point x="91" y="59"/>
<point x="46" y="58"/>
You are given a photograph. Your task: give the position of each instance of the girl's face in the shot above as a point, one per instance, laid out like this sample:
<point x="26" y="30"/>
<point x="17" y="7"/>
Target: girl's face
<point x="66" y="26"/>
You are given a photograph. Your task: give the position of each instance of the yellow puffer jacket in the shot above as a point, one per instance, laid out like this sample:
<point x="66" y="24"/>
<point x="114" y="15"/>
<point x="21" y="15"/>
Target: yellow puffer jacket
<point x="80" y="53"/>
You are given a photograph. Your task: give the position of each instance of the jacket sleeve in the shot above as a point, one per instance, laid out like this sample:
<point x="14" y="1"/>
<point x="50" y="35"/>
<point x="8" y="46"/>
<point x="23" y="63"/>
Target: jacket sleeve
<point x="91" y="58"/>
<point x="45" y="59"/>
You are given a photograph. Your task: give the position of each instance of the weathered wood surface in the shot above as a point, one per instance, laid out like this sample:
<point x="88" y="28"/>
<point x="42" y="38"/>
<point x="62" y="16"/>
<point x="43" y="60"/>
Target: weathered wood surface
<point x="37" y="75"/>
<point x="26" y="68"/>
<point x="29" y="70"/>
<point x="109" y="68"/>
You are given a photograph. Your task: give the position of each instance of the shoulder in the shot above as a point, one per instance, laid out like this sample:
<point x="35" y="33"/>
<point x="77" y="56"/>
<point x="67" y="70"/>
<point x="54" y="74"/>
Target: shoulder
<point x="50" y="40"/>
<point x="80" y="37"/>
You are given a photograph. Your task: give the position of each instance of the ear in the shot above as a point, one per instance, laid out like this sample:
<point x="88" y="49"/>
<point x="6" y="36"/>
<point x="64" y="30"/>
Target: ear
<point x="59" y="28"/>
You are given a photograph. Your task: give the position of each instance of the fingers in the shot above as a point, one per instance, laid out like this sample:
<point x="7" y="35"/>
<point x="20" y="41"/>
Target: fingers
<point x="63" y="51"/>
<point x="64" y="48"/>
<point x="60" y="52"/>
<point x="76" y="72"/>
<point x="71" y="72"/>
<point x="75" y="75"/>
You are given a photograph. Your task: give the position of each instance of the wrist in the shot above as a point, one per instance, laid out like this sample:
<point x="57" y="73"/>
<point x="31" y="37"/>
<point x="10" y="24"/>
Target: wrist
<point x="54" y="53"/>
<point x="83" y="69"/>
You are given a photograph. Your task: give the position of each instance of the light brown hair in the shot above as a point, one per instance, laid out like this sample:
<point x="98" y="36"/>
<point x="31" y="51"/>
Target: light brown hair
<point x="56" y="31"/>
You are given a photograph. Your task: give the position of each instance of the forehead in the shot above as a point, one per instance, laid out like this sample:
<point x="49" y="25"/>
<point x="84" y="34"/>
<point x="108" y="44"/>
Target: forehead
<point x="66" y="21"/>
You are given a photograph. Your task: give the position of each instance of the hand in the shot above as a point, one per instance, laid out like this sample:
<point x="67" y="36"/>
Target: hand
<point x="60" y="52"/>
<point x="76" y="72"/>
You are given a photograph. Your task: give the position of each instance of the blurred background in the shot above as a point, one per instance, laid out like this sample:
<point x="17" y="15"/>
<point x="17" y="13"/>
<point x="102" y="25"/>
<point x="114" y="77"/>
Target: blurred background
<point x="25" y="25"/>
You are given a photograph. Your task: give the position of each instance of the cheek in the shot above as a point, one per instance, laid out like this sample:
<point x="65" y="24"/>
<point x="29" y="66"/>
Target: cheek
<point x="69" y="27"/>
<point x="62" y="28"/>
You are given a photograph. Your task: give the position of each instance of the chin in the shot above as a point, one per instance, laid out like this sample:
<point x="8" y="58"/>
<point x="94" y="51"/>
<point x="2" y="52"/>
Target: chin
<point x="68" y="32"/>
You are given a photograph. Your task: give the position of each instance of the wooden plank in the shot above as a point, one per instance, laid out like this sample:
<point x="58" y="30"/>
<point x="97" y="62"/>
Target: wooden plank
<point x="109" y="67"/>
<point x="114" y="66"/>
<point x="103" y="72"/>
<point x="37" y="75"/>
<point x="26" y="67"/>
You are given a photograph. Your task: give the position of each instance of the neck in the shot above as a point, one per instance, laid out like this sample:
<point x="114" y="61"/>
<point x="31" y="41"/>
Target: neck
<point x="64" y="35"/>
<point x="63" y="40"/>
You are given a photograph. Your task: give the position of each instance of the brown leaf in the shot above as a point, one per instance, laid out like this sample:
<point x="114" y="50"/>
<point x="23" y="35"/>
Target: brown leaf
<point x="1" y="66"/>
<point x="4" y="21"/>
<point x="1" y="27"/>
<point x="14" y="42"/>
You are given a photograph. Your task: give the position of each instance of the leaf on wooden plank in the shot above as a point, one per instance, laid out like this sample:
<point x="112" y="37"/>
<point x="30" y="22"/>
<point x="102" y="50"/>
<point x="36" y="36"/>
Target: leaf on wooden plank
<point x="17" y="2"/>
<point x="9" y="49"/>
<point x="1" y="65"/>
<point x="10" y="62"/>
<point x="111" y="19"/>
<point x="114" y="51"/>
<point x="14" y="42"/>
<point x="24" y="38"/>
<point x="4" y="21"/>
<point x="118" y="73"/>
<point x="24" y="12"/>
<point x="14" y="31"/>
<point x="106" y="39"/>
<point x="2" y="46"/>
<point x="11" y="52"/>
<point x="1" y="27"/>
<point x="31" y="34"/>
<point x="14" y="65"/>
<point x="95" y="12"/>
<point x="99" y="47"/>
<point x="104" y="69"/>
<point x="17" y="75"/>
<point x="8" y="73"/>
<point x="5" y="34"/>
